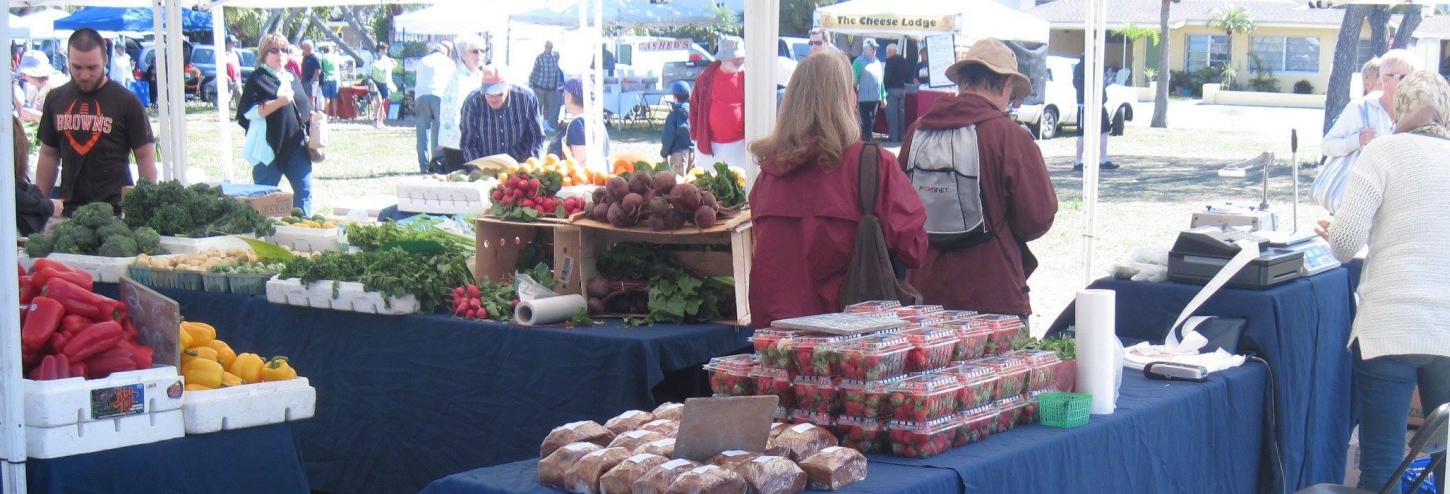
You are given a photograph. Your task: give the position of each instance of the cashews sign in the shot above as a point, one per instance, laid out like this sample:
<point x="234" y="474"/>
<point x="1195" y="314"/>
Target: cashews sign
<point x="890" y="21"/>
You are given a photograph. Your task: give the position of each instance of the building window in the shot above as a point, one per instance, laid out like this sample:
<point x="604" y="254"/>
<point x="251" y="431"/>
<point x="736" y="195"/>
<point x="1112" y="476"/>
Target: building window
<point x="1291" y="54"/>
<point x="1207" y="51"/>
<point x="1364" y="52"/>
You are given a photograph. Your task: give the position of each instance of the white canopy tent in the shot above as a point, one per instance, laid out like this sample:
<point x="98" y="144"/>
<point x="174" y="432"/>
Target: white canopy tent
<point x="42" y="23"/>
<point x="974" y="19"/>
<point x="17" y="28"/>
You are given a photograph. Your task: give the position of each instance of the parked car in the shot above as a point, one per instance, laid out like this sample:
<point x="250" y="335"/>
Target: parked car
<point x="794" y="48"/>
<point x="192" y="76"/>
<point x="1059" y="106"/>
<point x="203" y="57"/>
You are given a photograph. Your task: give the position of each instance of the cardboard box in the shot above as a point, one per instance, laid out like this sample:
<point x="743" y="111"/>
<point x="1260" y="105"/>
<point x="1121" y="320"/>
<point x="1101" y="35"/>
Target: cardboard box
<point x="275" y="205"/>
<point x="500" y="243"/>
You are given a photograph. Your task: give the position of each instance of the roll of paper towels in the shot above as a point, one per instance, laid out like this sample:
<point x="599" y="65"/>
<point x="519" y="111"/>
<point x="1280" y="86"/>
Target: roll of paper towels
<point x="550" y="310"/>
<point x="1099" y="352"/>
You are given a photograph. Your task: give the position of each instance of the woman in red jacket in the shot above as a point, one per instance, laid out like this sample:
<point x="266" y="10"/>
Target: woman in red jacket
<point x="805" y="203"/>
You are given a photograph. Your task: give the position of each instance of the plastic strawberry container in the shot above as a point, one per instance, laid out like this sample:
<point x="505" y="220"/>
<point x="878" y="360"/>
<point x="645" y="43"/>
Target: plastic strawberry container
<point x="817" y="394"/>
<point x="977" y="424"/>
<point x="918" y="322"/>
<point x="922" y="439"/>
<point x="1003" y="330"/>
<point x="823" y="420"/>
<point x="1044" y="366"/>
<point x="872" y="307"/>
<point x="971" y="342"/>
<point x="1012" y="374"/>
<point x="774" y="382"/>
<point x="918" y="310"/>
<point x="979" y="383"/>
<point x="956" y="315"/>
<point x="1010" y="412"/>
<point x="872" y="358"/>
<point x="731" y="376"/>
<point x="1031" y="413"/>
<point x="924" y="397"/>
<point x="772" y="347"/>
<point x="859" y="433"/>
<point x="867" y="399"/>
<point x="815" y="355"/>
<point x="931" y="348"/>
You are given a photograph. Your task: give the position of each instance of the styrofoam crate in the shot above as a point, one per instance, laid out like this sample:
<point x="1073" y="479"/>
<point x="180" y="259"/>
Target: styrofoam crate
<point x="90" y="437"/>
<point x="308" y="239"/>
<point x="348" y="296"/>
<point x="445" y="197"/>
<point x="102" y="269"/>
<point x="68" y="401"/>
<point x="182" y="245"/>
<point x="250" y="405"/>
<point x="25" y="260"/>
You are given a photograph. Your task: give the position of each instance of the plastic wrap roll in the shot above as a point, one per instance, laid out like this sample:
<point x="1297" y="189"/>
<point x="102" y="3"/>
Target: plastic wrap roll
<point x="550" y="310"/>
<point x="1099" y="352"/>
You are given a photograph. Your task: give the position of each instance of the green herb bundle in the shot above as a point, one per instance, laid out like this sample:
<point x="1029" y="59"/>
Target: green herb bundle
<point x="393" y="272"/>
<point x="372" y="238"/>
<point x="196" y="211"/>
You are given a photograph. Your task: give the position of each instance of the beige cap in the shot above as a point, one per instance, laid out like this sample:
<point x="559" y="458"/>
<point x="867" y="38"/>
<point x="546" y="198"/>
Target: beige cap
<point x="997" y="57"/>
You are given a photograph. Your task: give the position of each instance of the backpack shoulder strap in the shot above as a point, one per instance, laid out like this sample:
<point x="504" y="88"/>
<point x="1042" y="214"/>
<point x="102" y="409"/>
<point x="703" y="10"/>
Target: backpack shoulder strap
<point x="866" y="182"/>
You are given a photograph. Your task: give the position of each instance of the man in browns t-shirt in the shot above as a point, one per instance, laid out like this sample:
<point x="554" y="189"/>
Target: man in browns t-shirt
<point x="89" y="129"/>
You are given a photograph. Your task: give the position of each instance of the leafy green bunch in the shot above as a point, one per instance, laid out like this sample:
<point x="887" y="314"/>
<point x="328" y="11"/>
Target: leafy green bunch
<point x="94" y="230"/>
<point x="196" y="211"/>
<point x="394" y="272"/>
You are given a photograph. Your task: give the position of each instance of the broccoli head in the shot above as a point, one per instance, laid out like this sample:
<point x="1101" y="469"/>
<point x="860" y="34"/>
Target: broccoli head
<point x="171" y="219"/>
<point x="65" y="244"/>
<point x="147" y="239"/>
<point x="38" y="245"/>
<point x="85" y="237"/>
<point x="118" y="247"/>
<point x="115" y="229"/>
<point x="94" y="215"/>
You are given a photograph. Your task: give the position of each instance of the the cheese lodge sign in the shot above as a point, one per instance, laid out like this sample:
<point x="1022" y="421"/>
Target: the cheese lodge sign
<point x="890" y="22"/>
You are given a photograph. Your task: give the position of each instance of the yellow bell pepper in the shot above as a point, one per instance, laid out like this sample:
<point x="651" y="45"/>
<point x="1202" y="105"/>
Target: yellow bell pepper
<point x="201" y="352"/>
<point x="248" y="367"/>
<point x="278" y="369"/>
<point x="229" y="379"/>
<point x="196" y="387"/>
<point x="201" y="333"/>
<point x="224" y="352"/>
<point x="185" y="340"/>
<point x="203" y="372"/>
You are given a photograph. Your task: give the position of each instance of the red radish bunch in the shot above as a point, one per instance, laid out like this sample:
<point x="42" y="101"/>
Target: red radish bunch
<point x="467" y="304"/>
<point x="523" y="191"/>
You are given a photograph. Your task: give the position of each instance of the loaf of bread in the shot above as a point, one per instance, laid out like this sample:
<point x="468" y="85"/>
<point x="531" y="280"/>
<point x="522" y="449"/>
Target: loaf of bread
<point x="553" y="467"/>
<point x="583" y="477"/>
<point x="620" y="479"/>
<point x="628" y="421"/>
<point x="632" y="440"/>
<point x="772" y="475"/>
<point x="800" y="441"/>
<point x="586" y="431"/>
<point x="730" y="459"/>
<point x="669" y="411"/>
<point x="663" y="426"/>
<point x="663" y="447"/>
<point x="658" y="479"/>
<point x="834" y="468"/>
<point x="708" y="479"/>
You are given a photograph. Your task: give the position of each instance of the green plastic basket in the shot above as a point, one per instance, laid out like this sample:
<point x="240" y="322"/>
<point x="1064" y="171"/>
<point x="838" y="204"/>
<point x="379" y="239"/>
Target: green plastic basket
<point x="215" y="282"/>
<point x="162" y="279"/>
<point x="1064" y="410"/>
<point x="188" y="280"/>
<point x="249" y="284"/>
<point x="141" y="274"/>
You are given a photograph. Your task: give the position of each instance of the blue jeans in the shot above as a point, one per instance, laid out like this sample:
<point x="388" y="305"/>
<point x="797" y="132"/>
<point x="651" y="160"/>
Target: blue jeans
<point x="1382" y="388"/>
<point x="298" y="170"/>
<point x="896" y="114"/>
<point x="427" y="109"/>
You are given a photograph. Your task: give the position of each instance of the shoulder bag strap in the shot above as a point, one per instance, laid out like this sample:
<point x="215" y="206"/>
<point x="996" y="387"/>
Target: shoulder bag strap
<point x="866" y="185"/>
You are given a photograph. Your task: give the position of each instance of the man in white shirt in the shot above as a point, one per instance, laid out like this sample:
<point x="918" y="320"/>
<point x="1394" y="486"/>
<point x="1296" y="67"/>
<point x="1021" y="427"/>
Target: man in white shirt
<point x="434" y="71"/>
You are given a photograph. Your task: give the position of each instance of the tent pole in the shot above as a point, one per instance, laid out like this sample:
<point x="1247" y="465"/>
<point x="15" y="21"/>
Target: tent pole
<point x="12" y="415"/>
<point x="223" y="90"/>
<point x="178" y="111"/>
<point x="1092" y="125"/>
<point x="762" y="28"/>
<point x="163" y="89"/>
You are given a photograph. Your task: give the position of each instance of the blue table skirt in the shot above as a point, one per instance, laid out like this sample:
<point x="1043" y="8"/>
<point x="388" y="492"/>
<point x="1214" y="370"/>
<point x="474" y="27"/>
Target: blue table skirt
<point x="1301" y="329"/>
<point x="1165" y="437"/>
<point x="402" y="401"/>
<point x="255" y="460"/>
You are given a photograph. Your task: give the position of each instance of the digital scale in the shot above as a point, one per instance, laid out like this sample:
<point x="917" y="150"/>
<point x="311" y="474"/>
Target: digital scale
<point x="1318" y="256"/>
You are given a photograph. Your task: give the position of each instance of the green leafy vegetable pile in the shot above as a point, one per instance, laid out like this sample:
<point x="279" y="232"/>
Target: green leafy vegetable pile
<point x="1066" y="348"/>
<point x="676" y="296"/>
<point x="724" y="184"/>
<point x="95" y="230"/>
<point x="377" y="237"/>
<point x="196" y="211"/>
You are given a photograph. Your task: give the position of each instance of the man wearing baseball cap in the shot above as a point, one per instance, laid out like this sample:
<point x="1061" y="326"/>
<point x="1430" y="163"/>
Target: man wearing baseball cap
<point x="978" y="232"/>
<point x="501" y="118"/>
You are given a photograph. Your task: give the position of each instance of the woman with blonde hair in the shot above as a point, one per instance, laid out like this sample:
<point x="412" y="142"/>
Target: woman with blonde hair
<point x="275" y="111"/>
<point x="1400" y="337"/>
<point x="805" y="203"/>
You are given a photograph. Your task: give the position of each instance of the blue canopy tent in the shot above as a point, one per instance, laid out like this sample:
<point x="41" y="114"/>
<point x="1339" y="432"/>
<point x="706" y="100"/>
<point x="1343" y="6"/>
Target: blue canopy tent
<point x="624" y="13"/>
<point x="128" y="19"/>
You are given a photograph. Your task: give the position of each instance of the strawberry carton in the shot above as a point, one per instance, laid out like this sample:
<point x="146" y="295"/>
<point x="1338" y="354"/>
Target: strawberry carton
<point x="956" y="315"/>
<point x="1044" y="367"/>
<point x="872" y="358"/>
<point x="774" y="382"/>
<point x="918" y="310"/>
<point x="816" y="394"/>
<point x="1009" y="412"/>
<point x="1031" y="413"/>
<point x="924" y="397"/>
<point x="977" y="424"/>
<point x="867" y="399"/>
<point x="862" y="434"/>
<point x="1012" y="374"/>
<point x="815" y="355"/>
<point x="731" y="376"/>
<point x="971" y="339"/>
<point x="924" y="438"/>
<point x="772" y="347"/>
<point x="872" y="307"/>
<point x="917" y="322"/>
<point x="1003" y="329"/>
<point x="823" y="420"/>
<point x="931" y="348"/>
<point x="979" y="383"/>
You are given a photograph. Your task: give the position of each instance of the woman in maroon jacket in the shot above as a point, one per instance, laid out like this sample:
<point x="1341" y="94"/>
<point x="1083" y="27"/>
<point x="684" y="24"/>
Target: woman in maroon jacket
<point x="805" y="204"/>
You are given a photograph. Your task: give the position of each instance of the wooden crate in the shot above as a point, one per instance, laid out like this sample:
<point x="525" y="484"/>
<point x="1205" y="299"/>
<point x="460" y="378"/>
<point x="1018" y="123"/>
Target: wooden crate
<point x="735" y="238"/>
<point x="500" y="242"/>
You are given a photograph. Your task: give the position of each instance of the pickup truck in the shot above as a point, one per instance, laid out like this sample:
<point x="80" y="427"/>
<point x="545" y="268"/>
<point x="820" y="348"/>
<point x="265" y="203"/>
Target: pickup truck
<point x="1059" y="106"/>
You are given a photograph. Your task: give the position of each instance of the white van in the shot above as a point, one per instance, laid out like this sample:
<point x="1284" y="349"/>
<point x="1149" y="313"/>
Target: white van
<point x="1060" y="102"/>
<point x="647" y="55"/>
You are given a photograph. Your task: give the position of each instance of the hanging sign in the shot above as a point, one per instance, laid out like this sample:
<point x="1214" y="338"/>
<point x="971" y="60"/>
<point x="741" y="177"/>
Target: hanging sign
<point x="890" y="22"/>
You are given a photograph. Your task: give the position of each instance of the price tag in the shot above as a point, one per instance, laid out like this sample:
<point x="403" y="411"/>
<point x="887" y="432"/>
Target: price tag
<point x="118" y="401"/>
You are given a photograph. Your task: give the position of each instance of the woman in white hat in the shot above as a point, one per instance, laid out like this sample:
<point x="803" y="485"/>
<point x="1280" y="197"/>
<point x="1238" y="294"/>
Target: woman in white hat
<point x="40" y="77"/>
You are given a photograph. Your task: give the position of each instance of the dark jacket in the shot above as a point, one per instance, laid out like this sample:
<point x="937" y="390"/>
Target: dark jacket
<point x="32" y="209"/>
<point x="676" y="136"/>
<point x="1020" y="203"/>
<point x="286" y="127"/>
<point x="898" y="72"/>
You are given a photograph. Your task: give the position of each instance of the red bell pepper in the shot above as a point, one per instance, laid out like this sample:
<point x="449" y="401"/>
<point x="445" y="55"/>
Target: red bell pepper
<point x="20" y="268"/>
<point x="29" y="359"/>
<point x="44" y="263"/>
<point x="47" y="370"/>
<point x="98" y="338"/>
<point x="62" y="367"/>
<point x="143" y="355"/>
<point x="116" y="359"/>
<point x="26" y="292"/>
<point x="81" y="278"/>
<point x="80" y="301"/>
<point x="73" y="324"/>
<point x="40" y="322"/>
<point x="77" y="369"/>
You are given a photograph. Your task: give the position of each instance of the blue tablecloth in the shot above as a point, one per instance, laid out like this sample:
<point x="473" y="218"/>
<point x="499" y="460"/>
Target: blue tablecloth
<point x="255" y="460"/>
<point x="1164" y="437"/>
<point x="1301" y="329"/>
<point x="402" y="401"/>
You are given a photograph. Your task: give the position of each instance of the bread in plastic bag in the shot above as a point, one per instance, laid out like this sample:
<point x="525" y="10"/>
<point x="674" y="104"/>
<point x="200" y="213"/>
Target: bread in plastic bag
<point x="777" y="428"/>
<point x="730" y="459"/>
<point x="658" y="479"/>
<point x="620" y="479"/>
<point x="553" y="467"/>
<point x="663" y="447"/>
<point x="708" y="479"/>
<point x="628" y="421"/>
<point x="834" y="468"/>
<point x="583" y="477"/>
<point x="772" y="475"/>
<point x="632" y="440"/>
<point x="663" y="426"/>
<point x="800" y="441"/>
<point x="586" y="431"/>
<point x="669" y="411"/>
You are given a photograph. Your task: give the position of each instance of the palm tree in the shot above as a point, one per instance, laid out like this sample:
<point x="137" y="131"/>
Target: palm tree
<point x="1160" y="101"/>
<point x="1134" y="33"/>
<point x="1234" y="20"/>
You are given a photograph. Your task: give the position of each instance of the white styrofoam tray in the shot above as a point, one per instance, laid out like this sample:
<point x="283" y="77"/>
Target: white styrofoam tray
<point x="90" y="437"/>
<point x="249" y="405"/>
<point x="71" y="416"/>
<point x="68" y="401"/>
<point x="349" y="296"/>
<point x="182" y="245"/>
<point x="445" y="197"/>
<point x="308" y="239"/>
<point x="102" y="269"/>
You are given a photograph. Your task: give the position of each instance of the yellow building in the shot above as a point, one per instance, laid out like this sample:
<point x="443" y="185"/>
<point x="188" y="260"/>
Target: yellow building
<point x="1294" y="43"/>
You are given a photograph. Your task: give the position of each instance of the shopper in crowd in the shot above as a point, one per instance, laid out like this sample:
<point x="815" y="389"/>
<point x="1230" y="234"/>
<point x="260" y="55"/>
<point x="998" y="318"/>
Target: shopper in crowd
<point x="546" y="80"/>
<point x="434" y="73"/>
<point x="234" y="65"/>
<point x="294" y="61"/>
<point x="1362" y="120"/>
<point x="311" y="72"/>
<point x="806" y="202"/>
<point x="275" y="113"/>
<point x="1079" y="83"/>
<point x="92" y="162"/>
<point x="32" y="209"/>
<point x="923" y="69"/>
<point x="329" y="81"/>
<point x="870" y="90"/>
<point x="572" y="142"/>
<point x="40" y="79"/>
<point x="501" y="118"/>
<point x="985" y="270"/>
<point x="676" y="145"/>
<point x="1393" y="204"/>
<point x="898" y="73"/>
<point x="1369" y="75"/>
<point x="121" y="69"/>
<point x="717" y="107"/>
<point x="467" y="76"/>
<point x="381" y="74"/>
<point x="819" y="41"/>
